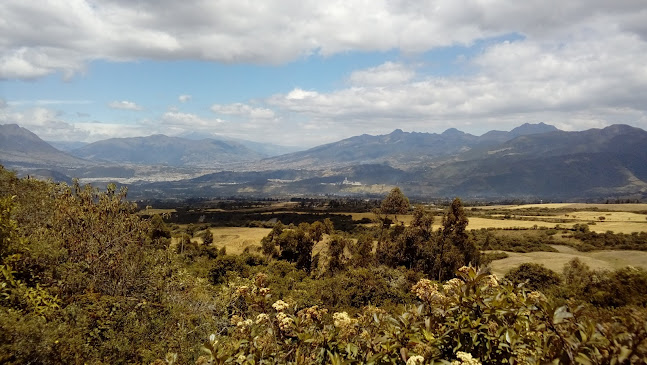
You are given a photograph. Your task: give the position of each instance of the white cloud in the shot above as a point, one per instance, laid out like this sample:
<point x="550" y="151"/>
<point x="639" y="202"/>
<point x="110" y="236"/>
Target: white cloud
<point x="3" y="103"/>
<point x="388" y="73"/>
<point x="175" y="118"/>
<point x="124" y="105"/>
<point x="576" y="64"/>
<point x="71" y="32"/>
<point x="46" y="123"/>
<point x="184" y="98"/>
<point x="46" y="102"/>
<point x="243" y="110"/>
<point x="298" y="94"/>
<point x="590" y="80"/>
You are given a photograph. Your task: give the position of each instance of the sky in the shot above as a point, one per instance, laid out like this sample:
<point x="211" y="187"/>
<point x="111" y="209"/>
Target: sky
<point x="304" y="73"/>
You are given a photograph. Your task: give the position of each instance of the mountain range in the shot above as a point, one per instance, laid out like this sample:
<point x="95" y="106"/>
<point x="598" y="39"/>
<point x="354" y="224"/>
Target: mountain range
<point x="163" y="150"/>
<point x="401" y="149"/>
<point x="530" y="161"/>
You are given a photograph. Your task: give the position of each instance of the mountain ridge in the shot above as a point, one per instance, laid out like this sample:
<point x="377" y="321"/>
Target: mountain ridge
<point x="532" y="160"/>
<point x="398" y="148"/>
<point x="20" y="146"/>
<point x="160" y="149"/>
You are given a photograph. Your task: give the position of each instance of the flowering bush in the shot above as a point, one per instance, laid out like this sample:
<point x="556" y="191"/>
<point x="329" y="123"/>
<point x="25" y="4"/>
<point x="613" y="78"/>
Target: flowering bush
<point x="471" y="319"/>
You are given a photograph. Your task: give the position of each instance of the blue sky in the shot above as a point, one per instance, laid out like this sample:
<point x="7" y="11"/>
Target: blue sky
<point x="305" y="73"/>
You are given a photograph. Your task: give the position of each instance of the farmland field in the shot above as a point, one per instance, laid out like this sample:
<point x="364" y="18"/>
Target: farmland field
<point x="605" y="260"/>
<point x="625" y="221"/>
<point x="619" y="218"/>
<point x="236" y="239"/>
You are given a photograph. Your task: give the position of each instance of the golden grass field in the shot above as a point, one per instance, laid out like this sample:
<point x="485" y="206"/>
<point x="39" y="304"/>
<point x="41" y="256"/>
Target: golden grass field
<point x="236" y="239"/>
<point x="578" y="206"/>
<point x="623" y="219"/>
<point x="604" y="260"/>
<point x="153" y="211"/>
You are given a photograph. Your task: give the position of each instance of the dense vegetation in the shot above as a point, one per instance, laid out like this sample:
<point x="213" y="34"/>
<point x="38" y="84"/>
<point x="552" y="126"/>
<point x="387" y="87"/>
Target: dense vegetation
<point x="85" y="280"/>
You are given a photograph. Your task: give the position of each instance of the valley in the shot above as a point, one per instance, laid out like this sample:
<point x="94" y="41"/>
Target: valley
<point x="529" y="163"/>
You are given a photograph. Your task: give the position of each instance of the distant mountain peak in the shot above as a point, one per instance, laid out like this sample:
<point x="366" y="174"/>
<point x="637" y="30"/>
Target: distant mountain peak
<point x="529" y="128"/>
<point x="452" y="132"/>
<point x="21" y="146"/>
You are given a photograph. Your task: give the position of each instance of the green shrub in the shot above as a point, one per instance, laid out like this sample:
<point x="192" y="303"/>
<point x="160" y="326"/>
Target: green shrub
<point x="534" y="276"/>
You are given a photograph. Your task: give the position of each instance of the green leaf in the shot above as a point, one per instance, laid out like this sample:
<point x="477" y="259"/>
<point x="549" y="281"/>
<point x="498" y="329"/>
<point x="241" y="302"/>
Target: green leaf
<point x="561" y="314"/>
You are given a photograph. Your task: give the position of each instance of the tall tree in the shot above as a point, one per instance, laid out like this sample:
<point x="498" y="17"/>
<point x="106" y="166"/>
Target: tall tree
<point x="395" y="203"/>
<point x="336" y="248"/>
<point x="455" y="249"/>
<point x="295" y="244"/>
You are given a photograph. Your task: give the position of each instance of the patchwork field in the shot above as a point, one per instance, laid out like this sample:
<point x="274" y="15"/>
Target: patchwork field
<point x="575" y="206"/>
<point x="619" y="218"/>
<point x="618" y="222"/>
<point x="603" y="260"/>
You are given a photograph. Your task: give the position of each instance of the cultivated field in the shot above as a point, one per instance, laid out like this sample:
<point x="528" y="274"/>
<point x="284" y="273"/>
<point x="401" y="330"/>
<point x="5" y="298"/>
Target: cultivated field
<point x="619" y="218"/>
<point x="604" y="260"/>
<point x="618" y="222"/>
<point x="575" y="206"/>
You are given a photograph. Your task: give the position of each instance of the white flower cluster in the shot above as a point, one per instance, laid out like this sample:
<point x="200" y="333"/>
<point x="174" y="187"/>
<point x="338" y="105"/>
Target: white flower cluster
<point x="285" y="323"/>
<point x="491" y="281"/>
<point x="312" y="313"/>
<point x="427" y="291"/>
<point x="465" y="359"/>
<point x="262" y="318"/>
<point x="452" y="287"/>
<point x="535" y="296"/>
<point x="245" y="323"/>
<point x="341" y="319"/>
<point x="242" y="290"/>
<point x="415" y="360"/>
<point x="465" y="270"/>
<point x="280" y="305"/>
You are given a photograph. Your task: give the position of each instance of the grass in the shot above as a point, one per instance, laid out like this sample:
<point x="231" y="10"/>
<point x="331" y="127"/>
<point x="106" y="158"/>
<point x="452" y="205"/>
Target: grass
<point x="153" y="211"/>
<point x="236" y="239"/>
<point x="619" y="218"/>
<point x="575" y="206"/>
<point x="618" y="222"/>
<point x="604" y="260"/>
<point x="478" y="223"/>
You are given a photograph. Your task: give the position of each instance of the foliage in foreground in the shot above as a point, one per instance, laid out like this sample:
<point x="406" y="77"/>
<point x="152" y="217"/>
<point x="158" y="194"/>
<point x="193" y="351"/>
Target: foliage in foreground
<point x="471" y="319"/>
<point x="84" y="280"/>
